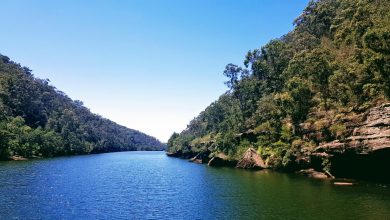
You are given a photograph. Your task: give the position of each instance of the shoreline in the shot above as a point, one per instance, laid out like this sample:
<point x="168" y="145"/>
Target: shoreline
<point x="310" y="173"/>
<point x="21" y="158"/>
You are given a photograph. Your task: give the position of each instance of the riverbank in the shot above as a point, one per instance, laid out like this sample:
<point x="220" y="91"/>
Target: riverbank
<point x="21" y="158"/>
<point x="252" y="161"/>
<point x="249" y="161"/>
<point x="362" y="153"/>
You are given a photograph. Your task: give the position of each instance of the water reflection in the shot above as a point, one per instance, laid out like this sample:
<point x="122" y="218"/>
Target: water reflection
<point x="149" y="185"/>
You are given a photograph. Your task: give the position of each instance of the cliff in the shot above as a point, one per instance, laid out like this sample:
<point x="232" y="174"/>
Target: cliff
<point x="366" y="152"/>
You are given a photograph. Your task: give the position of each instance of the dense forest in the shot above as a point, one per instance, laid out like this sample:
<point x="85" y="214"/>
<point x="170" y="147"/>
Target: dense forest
<point x="334" y="64"/>
<point x="37" y="120"/>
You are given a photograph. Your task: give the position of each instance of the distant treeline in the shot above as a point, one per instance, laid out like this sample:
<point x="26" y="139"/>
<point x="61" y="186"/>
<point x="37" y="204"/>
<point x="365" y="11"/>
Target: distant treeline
<point x="335" y="63"/>
<point x="36" y="119"/>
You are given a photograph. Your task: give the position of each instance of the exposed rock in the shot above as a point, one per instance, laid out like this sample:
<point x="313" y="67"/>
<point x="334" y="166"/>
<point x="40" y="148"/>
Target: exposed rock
<point x="17" y="158"/>
<point x="184" y="155"/>
<point x="221" y="160"/>
<point x="343" y="184"/>
<point x="313" y="174"/>
<point x="370" y="135"/>
<point x="251" y="160"/>
<point x="174" y="154"/>
<point x="374" y="133"/>
<point x="365" y="154"/>
<point x="194" y="160"/>
<point x="329" y="174"/>
<point x="202" y="157"/>
<point x="303" y="161"/>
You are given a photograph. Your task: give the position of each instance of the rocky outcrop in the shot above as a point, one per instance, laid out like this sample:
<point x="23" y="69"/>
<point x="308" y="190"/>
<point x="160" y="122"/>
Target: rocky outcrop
<point x="202" y="157"/>
<point x="374" y="133"/>
<point x="314" y="174"/>
<point x="366" y="152"/>
<point x="221" y="160"/>
<point x="251" y="160"/>
<point x="344" y="184"/>
<point x="173" y="154"/>
<point x="17" y="158"/>
<point x="371" y="135"/>
<point x="181" y="154"/>
<point x="361" y="151"/>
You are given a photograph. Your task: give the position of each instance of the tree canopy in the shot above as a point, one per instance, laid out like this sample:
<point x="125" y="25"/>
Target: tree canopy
<point x="36" y="119"/>
<point x="335" y="62"/>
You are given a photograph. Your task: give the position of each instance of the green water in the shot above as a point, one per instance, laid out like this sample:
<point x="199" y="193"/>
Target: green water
<point x="149" y="185"/>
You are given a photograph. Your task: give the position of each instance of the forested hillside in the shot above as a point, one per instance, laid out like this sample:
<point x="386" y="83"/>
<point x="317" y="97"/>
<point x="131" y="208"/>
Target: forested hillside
<point x="299" y="91"/>
<point x="36" y="119"/>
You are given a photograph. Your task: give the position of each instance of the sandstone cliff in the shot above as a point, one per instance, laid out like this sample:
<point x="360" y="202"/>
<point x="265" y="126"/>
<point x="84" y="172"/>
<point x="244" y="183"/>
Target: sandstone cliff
<point x="365" y="153"/>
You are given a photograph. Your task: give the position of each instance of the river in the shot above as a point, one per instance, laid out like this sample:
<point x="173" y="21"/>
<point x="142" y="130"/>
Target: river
<point x="150" y="185"/>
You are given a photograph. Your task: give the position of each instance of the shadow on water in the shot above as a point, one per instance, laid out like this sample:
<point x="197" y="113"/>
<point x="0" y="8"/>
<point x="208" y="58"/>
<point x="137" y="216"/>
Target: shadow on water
<point x="372" y="166"/>
<point x="267" y="193"/>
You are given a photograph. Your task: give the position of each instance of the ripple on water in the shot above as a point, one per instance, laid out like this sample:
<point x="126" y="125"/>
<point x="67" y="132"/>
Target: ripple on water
<point x="149" y="185"/>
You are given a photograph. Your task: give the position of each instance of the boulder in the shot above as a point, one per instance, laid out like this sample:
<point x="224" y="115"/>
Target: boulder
<point x="221" y="160"/>
<point x="181" y="154"/>
<point x="251" y="160"/>
<point x="17" y="158"/>
<point x="174" y="154"/>
<point x="202" y="157"/>
<point x="313" y="174"/>
<point x="343" y="184"/>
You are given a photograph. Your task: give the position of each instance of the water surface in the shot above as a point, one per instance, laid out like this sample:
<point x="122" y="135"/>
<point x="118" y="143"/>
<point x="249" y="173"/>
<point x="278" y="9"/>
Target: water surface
<point x="149" y="185"/>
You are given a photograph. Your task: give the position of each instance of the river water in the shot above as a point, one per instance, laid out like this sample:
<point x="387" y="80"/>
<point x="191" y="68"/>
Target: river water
<point x="150" y="185"/>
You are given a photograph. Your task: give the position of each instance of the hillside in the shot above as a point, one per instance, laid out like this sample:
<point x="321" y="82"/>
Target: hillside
<point x="36" y="119"/>
<point x="314" y="98"/>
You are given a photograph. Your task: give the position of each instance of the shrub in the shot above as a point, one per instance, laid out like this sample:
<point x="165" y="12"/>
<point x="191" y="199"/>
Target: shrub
<point x="338" y="130"/>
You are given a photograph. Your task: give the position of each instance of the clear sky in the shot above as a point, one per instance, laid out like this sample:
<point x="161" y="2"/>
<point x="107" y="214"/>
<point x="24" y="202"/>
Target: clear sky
<point x="151" y="65"/>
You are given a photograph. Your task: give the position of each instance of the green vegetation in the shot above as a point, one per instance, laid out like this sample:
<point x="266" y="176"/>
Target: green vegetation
<point x="38" y="120"/>
<point x="336" y="62"/>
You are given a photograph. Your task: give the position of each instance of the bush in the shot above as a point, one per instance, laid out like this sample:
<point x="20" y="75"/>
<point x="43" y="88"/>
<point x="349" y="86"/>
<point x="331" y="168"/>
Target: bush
<point x="338" y="130"/>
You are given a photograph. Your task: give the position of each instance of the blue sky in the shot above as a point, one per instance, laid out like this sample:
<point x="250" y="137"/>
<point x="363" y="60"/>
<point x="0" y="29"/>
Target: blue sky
<point x="151" y="65"/>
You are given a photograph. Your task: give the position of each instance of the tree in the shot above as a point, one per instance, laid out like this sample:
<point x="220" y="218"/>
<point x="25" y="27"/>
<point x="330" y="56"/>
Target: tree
<point x="36" y="119"/>
<point x="233" y="73"/>
<point x="333" y="65"/>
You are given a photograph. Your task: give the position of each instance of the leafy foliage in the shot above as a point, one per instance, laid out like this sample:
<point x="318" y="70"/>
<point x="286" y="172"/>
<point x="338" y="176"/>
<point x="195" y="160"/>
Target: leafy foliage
<point x="336" y="60"/>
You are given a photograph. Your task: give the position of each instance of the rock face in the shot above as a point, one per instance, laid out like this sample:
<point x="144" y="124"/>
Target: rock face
<point x="366" y="152"/>
<point x="371" y="135"/>
<point x="251" y="160"/>
<point x="374" y="133"/>
<point x="221" y="160"/>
